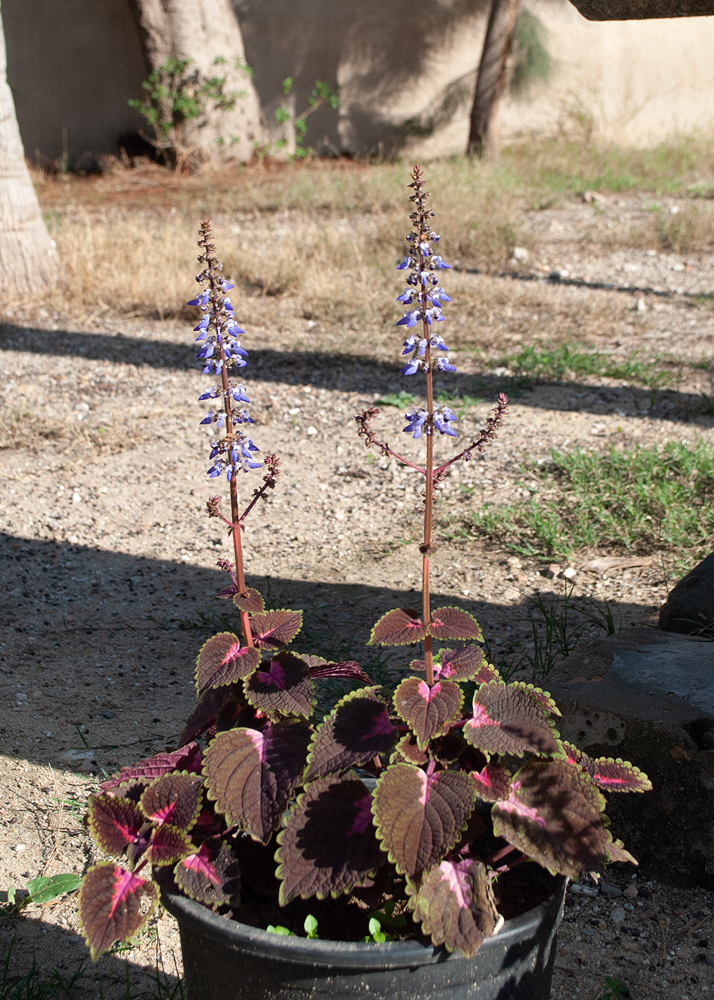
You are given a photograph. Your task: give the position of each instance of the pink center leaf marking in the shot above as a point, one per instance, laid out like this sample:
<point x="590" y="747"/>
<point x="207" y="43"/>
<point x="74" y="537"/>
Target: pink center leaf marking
<point x="427" y="781"/>
<point x="275" y="677"/>
<point x="200" y="863"/>
<point x="363" y="819"/>
<point x="381" y="726"/>
<point x="450" y="873"/>
<point x="233" y="653"/>
<point x="512" y="805"/>
<point x="126" y="882"/>
<point x="482" y="778"/>
<point x="261" y="742"/>
<point x="165" y="814"/>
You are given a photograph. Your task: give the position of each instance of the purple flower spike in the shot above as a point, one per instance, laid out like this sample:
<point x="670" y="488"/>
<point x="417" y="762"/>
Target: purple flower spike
<point x="442" y="365"/>
<point x="412" y="368"/>
<point x="441" y="264"/>
<point x="409" y="318"/>
<point x="200" y="300"/>
<point x="415" y="422"/>
<point x="208" y="419"/>
<point x="406" y="261"/>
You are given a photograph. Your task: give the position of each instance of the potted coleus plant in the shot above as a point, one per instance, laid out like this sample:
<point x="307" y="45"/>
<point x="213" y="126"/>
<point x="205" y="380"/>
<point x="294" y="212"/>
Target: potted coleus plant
<point x="439" y="824"/>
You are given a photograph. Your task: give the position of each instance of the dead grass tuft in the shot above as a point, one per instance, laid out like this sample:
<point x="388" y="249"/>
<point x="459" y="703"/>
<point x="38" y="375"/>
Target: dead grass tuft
<point x="21" y="430"/>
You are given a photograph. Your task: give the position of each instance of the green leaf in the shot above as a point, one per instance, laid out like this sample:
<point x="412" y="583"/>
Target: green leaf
<point x="310" y="926"/>
<point x="44" y="889"/>
<point x="277" y="929"/>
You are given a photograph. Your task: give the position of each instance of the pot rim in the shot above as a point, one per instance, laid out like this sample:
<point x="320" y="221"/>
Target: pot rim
<point x="260" y="943"/>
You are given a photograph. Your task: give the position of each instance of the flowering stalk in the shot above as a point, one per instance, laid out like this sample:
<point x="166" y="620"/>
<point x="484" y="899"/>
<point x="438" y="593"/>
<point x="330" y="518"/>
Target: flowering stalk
<point x="425" y="299"/>
<point x="221" y="352"/>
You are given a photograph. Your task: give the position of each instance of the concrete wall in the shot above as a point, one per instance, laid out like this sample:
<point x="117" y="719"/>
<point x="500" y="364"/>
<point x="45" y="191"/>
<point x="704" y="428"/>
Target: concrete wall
<point x="72" y="64"/>
<point x="406" y="72"/>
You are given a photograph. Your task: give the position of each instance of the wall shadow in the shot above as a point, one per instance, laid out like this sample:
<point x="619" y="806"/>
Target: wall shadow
<point x="354" y="373"/>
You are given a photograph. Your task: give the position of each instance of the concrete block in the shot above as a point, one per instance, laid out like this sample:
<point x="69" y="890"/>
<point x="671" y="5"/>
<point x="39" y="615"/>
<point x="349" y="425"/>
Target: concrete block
<point x="648" y="697"/>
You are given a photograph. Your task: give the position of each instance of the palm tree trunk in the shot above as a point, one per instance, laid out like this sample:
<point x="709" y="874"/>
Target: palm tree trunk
<point x="491" y="80"/>
<point x="27" y="256"/>
<point x="202" y="31"/>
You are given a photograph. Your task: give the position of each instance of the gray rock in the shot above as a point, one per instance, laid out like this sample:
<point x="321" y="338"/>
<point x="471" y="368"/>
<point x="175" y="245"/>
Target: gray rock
<point x="610" y="890"/>
<point x="648" y="696"/>
<point x="690" y="606"/>
<point x="618" y="915"/>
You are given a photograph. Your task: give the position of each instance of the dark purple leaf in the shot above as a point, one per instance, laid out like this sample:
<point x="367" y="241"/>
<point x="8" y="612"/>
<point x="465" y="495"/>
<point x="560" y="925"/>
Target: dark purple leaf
<point x="188" y="758"/>
<point x="453" y="623"/>
<point x="493" y="782"/>
<point x="398" y="628"/>
<point x="228" y="591"/>
<point x="168" y="845"/>
<point x="554" y="815"/>
<point x="175" y="799"/>
<point x="507" y="720"/>
<point x="281" y="685"/>
<point x="274" y="629"/>
<point x="250" y="600"/>
<point x="205" y="712"/>
<point x="619" y="776"/>
<point x="250" y="774"/>
<point x="222" y="660"/>
<point x="211" y="875"/>
<point x="540" y="697"/>
<point x="113" y="822"/>
<point x="455" y="905"/>
<point x="356" y="730"/>
<point x="349" y="669"/>
<point x="419" y="817"/>
<point x="328" y="845"/>
<point x="408" y="750"/>
<point x="113" y="905"/>
<point x="461" y="664"/>
<point x="428" y="710"/>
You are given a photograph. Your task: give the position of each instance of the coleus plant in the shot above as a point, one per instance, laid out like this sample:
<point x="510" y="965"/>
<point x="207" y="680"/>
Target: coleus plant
<point x="425" y="782"/>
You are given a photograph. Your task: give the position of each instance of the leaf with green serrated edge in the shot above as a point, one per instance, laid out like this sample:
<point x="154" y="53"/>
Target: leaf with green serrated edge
<point x="188" y="758"/>
<point x="222" y="660"/>
<point x="281" y="685"/>
<point x="250" y="775"/>
<point x="249" y="600"/>
<point x="428" y="710"/>
<point x="493" y="782"/>
<point x="407" y="749"/>
<point x="273" y="629"/>
<point x="211" y="875"/>
<point x="45" y="888"/>
<point x="554" y="815"/>
<point x="540" y="697"/>
<point x="113" y="905"/>
<point x="619" y="775"/>
<point x="506" y="719"/>
<point x="460" y="664"/>
<point x="113" y="822"/>
<point x="487" y="673"/>
<point x="328" y="845"/>
<point x="419" y="817"/>
<point x="453" y="623"/>
<point x="356" y="729"/>
<point x="455" y="905"/>
<point x="168" y="845"/>
<point x="173" y="798"/>
<point x="400" y="627"/>
<point x="617" y="852"/>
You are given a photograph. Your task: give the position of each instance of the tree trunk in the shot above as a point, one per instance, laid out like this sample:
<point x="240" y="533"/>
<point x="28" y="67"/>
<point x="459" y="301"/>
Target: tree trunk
<point x="491" y="80"/>
<point x="204" y="30"/>
<point x="27" y="255"/>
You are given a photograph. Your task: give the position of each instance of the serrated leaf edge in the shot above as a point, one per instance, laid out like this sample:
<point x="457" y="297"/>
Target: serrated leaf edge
<point x="113" y="864"/>
<point x="350" y="696"/>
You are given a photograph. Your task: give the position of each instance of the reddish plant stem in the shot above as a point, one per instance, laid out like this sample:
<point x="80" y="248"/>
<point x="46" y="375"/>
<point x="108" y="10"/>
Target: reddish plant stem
<point x="428" y="495"/>
<point x="235" y="528"/>
<point x="256" y="497"/>
<point x="486" y="435"/>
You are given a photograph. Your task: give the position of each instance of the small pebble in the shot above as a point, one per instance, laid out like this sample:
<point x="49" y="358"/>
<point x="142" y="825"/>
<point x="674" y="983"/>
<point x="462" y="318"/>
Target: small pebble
<point x="312" y="431"/>
<point x="630" y="946"/>
<point x="610" y="890"/>
<point x="570" y="573"/>
<point x="630" y="891"/>
<point x="617" y="915"/>
<point x="20" y="848"/>
<point x="108" y="714"/>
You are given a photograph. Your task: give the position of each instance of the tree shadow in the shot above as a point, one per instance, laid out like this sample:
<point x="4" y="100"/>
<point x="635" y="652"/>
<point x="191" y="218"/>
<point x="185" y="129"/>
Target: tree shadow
<point x="357" y="372"/>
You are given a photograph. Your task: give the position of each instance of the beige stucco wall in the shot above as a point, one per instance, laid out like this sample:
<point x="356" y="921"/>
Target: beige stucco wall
<point x="406" y="71"/>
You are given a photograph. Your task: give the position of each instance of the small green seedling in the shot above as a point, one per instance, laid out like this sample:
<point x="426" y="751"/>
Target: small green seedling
<point x="615" y="989"/>
<point x="277" y="929"/>
<point x="376" y="934"/>
<point x="399" y="399"/>
<point x="42" y="889"/>
<point x="310" y="926"/>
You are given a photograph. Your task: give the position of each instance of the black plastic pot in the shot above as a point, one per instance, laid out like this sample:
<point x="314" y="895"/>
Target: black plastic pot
<point x="227" y="960"/>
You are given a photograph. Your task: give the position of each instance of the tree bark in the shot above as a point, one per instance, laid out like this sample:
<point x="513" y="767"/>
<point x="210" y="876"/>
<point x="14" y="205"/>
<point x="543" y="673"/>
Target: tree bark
<point x="202" y="30"/>
<point x="491" y="80"/>
<point x="27" y="256"/>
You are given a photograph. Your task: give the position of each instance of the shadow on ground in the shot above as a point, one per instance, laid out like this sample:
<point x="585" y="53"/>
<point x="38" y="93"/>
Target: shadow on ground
<point x="47" y="961"/>
<point x="351" y="372"/>
<point x="107" y="642"/>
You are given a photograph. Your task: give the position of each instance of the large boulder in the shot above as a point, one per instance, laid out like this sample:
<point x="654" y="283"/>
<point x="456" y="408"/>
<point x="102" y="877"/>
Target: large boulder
<point x="690" y="607"/>
<point x="648" y="697"/>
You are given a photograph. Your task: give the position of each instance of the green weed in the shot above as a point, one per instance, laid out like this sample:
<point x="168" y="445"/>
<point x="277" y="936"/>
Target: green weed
<point x="641" y="500"/>
<point x="570" y="361"/>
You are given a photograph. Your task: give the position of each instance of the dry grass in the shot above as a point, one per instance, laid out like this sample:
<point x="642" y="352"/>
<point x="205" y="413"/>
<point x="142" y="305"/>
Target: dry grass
<point x="23" y="430"/>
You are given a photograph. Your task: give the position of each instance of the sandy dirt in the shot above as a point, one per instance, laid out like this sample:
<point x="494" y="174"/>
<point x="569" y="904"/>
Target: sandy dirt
<point x="108" y="575"/>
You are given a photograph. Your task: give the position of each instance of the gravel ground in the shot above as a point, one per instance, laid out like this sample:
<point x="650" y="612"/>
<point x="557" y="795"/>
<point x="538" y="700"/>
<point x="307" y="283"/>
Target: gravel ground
<point x="107" y="563"/>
